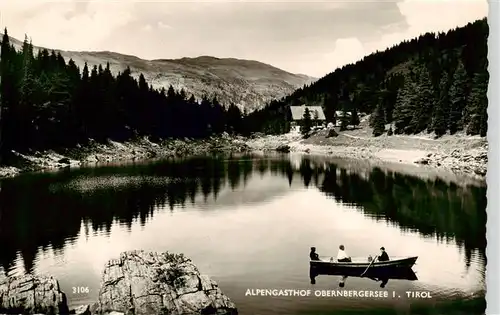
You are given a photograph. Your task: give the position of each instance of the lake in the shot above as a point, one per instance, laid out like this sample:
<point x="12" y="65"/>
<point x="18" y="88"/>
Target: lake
<point x="248" y="222"/>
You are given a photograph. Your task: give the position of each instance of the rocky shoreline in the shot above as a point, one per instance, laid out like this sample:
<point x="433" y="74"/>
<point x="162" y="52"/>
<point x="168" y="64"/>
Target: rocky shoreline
<point x="95" y="153"/>
<point x="467" y="157"/>
<point x="463" y="156"/>
<point x="137" y="283"/>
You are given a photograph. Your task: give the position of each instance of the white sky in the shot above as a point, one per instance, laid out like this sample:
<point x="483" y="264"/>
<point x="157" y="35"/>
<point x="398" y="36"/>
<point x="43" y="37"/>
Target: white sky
<point x="301" y="37"/>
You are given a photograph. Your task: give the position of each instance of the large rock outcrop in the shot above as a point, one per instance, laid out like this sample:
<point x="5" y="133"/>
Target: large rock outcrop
<point x="31" y="295"/>
<point x="150" y="283"/>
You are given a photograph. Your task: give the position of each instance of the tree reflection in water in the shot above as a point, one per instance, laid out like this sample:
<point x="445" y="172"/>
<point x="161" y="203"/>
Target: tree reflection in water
<point x="43" y="211"/>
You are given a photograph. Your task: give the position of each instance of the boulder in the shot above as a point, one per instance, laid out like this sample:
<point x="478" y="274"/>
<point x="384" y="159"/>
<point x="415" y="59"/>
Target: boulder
<point x="480" y="171"/>
<point x="28" y="294"/>
<point x="82" y="310"/>
<point x="284" y="148"/>
<point x="225" y="135"/>
<point x="331" y="133"/>
<point x="150" y="283"/>
<point x="257" y="135"/>
<point x="423" y="161"/>
<point x="64" y="160"/>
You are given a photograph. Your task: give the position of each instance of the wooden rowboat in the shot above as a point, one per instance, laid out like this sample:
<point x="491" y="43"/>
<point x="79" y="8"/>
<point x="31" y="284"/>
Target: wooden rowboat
<point x="360" y="265"/>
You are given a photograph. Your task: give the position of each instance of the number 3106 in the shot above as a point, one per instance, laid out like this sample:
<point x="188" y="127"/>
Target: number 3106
<point x="80" y="290"/>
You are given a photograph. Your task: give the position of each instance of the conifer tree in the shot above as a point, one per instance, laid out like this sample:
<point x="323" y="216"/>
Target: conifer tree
<point x="306" y="123"/>
<point x="234" y="118"/>
<point x="328" y="109"/>
<point x="344" y="120"/>
<point x="440" y="121"/>
<point x="378" y="121"/>
<point x="458" y="98"/>
<point x="23" y="111"/>
<point x="390" y="132"/>
<point x="405" y="106"/>
<point x="424" y="103"/>
<point x="5" y="85"/>
<point x="315" y="117"/>
<point x="354" y="117"/>
<point x="478" y="104"/>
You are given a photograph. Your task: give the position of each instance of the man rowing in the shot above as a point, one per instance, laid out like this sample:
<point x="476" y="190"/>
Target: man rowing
<point x="383" y="255"/>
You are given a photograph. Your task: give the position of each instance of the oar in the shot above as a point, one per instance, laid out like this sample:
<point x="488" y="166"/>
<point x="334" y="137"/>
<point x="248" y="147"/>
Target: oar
<point x="369" y="266"/>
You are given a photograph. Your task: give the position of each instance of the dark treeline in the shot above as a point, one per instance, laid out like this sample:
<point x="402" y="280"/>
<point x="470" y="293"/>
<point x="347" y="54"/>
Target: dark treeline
<point x="435" y="83"/>
<point x="47" y="102"/>
<point x="433" y="208"/>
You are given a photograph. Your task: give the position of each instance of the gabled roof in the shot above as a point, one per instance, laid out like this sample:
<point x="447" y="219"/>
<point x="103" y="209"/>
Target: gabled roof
<point x="298" y="112"/>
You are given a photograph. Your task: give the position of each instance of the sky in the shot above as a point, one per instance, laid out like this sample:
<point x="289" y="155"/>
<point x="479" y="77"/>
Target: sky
<point x="313" y="37"/>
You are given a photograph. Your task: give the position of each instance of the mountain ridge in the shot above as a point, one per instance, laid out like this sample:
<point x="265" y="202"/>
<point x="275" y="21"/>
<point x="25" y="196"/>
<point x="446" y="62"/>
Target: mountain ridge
<point x="250" y="84"/>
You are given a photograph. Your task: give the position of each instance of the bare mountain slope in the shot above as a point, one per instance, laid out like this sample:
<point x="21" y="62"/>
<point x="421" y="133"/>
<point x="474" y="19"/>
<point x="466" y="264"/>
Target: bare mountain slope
<point x="247" y="83"/>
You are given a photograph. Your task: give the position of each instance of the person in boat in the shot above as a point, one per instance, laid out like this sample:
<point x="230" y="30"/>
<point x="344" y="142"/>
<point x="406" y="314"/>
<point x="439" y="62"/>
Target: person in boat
<point x="342" y="255"/>
<point x="383" y="255"/>
<point x="313" y="255"/>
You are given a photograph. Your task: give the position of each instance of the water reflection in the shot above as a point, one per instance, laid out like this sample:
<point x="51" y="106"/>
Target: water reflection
<point x="46" y="211"/>
<point x="378" y="276"/>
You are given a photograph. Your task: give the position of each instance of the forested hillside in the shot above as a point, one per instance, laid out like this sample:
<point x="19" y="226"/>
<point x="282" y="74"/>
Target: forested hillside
<point x="435" y="83"/>
<point x="250" y="84"/>
<point x="48" y="103"/>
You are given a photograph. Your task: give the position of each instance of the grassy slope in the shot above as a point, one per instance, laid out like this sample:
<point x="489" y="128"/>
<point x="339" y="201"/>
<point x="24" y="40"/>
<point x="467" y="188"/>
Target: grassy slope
<point x="362" y="137"/>
<point x="464" y="155"/>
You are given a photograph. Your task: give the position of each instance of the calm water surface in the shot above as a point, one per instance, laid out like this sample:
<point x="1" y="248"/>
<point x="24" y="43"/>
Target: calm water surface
<point x="249" y="222"/>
